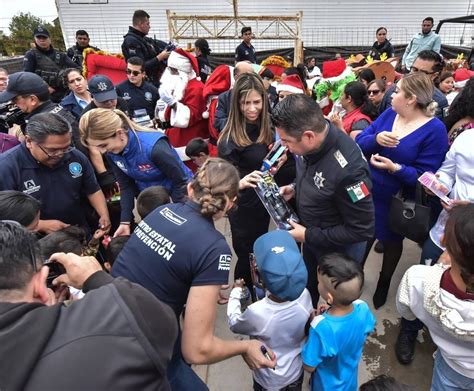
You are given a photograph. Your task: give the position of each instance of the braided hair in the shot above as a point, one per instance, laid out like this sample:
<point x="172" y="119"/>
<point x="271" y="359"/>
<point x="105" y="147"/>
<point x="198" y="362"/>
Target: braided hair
<point x="214" y="185"/>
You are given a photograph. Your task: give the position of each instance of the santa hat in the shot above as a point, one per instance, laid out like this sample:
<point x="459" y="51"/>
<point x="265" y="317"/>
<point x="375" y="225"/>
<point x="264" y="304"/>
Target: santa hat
<point x="183" y="61"/>
<point x="220" y="81"/>
<point x="335" y="70"/>
<point x="461" y="76"/>
<point x="291" y="84"/>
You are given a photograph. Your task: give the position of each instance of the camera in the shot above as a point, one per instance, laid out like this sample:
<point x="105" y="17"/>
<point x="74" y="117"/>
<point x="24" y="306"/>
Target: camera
<point x="10" y="115"/>
<point x="55" y="270"/>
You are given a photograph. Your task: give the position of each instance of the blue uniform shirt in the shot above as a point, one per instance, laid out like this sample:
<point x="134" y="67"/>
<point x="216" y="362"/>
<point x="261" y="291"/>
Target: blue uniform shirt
<point x="143" y="97"/>
<point x="173" y="249"/>
<point x="334" y="348"/>
<point x="60" y="189"/>
<point x="243" y="52"/>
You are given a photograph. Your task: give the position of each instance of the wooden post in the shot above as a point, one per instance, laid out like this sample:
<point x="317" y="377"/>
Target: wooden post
<point x="298" y="55"/>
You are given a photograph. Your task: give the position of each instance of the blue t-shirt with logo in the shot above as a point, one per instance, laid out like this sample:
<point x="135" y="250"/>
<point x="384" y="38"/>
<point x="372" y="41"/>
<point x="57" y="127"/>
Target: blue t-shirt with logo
<point x="60" y="189"/>
<point x="334" y="348"/>
<point x="173" y="249"/>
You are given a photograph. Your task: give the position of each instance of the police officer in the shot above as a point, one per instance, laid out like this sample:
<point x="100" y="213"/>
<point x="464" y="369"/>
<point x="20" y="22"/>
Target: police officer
<point x="47" y="62"/>
<point x="30" y="93"/>
<point x="47" y="167"/>
<point x="104" y="95"/>
<point x="75" y="53"/>
<point x="245" y="51"/>
<point x="137" y="92"/>
<point x="332" y="185"/>
<point x="153" y="52"/>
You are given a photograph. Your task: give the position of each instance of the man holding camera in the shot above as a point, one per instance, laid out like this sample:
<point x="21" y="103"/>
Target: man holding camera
<point x="153" y="52"/>
<point x="119" y="336"/>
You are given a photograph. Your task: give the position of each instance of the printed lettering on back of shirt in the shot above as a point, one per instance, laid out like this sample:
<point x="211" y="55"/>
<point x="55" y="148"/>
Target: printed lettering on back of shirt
<point x="224" y="262"/>
<point x="171" y="216"/>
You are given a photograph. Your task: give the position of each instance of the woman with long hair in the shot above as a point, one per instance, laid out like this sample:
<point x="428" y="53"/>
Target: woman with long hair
<point x="381" y="45"/>
<point x="244" y="142"/>
<point x="461" y="112"/>
<point x="142" y="158"/>
<point x="79" y="96"/>
<point x="180" y="257"/>
<point x="403" y="143"/>
<point x="360" y="112"/>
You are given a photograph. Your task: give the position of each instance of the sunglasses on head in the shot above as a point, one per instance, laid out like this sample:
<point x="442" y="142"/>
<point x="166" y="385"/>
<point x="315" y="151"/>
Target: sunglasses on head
<point x="134" y="73"/>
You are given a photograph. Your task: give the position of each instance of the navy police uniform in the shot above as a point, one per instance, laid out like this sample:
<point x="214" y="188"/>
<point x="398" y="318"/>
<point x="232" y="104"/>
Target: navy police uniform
<point x="243" y="52"/>
<point x="143" y="97"/>
<point x="59" y="189"/>
<point x="334" y="202"/>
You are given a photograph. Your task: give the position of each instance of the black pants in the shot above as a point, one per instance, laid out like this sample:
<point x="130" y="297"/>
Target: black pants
<point x="246" y="225"/>
<point x="295" y="386"/>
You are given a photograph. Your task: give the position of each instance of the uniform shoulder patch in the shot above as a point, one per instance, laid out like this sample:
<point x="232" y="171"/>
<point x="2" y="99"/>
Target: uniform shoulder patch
<point x="340" y="158"/>
<point x="224" y="262"/>
<point x="358" y="191"/>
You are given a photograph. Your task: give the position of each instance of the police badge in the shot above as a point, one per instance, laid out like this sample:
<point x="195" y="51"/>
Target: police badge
<point x="318" y="179"/>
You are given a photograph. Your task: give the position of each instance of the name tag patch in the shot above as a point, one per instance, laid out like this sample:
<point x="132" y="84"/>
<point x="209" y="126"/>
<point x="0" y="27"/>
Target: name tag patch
<point x="358" y="191"/>
<point x="340" y="158"/>
<point x="224" y="262"/>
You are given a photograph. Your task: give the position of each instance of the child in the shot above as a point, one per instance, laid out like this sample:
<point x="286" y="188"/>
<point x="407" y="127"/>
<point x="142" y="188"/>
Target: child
<point x="278" y="319"/>
<point x="197" y="150"/>
<point x="113" y="249"/>
<point x="336" y="337"/>
<point x="442" y="297"/>
<point x="150" y="199"/>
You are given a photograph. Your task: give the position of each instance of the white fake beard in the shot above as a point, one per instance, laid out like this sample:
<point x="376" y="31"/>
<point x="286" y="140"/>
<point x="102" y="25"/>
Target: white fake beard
<point x="176" y="84"/>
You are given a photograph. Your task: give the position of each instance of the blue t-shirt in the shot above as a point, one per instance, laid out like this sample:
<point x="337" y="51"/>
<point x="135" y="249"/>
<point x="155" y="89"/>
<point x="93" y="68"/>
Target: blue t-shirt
<point x="334" y="347"/>
<point x="173" y="249"/>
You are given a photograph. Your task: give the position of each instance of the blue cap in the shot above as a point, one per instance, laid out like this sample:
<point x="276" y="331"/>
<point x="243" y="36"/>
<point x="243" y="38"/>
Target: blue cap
<point x="102" y="88"/>
<point x="23" y="83"/>
<point x="281" y="265"/>
<point x="40" y="31"/>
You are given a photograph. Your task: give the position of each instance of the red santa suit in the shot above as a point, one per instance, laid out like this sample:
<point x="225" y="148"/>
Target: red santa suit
<point x="221" y="80"/>
<point x="181" y="103"/>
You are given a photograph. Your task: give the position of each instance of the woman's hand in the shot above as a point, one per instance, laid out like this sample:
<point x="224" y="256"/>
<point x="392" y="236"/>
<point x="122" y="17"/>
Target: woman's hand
<point x="387" y="139"/>
<point x="336" y="121"/>
<point x="255" y="358"/>
<point x="382" y="162"/>
<point x="250" y="180"/>
<point x="122" y="230"/>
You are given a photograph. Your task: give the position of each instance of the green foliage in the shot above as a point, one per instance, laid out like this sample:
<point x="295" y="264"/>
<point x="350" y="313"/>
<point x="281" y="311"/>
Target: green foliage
<point x="21" y="34"/>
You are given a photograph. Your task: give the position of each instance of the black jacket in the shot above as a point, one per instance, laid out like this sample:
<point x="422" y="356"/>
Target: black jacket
<point x="222" y="110"/>
<point x="323" y="187"/>
<point x="75" y="53"/>
<point x="135" y="43"/>
<point x="118" y="337"/>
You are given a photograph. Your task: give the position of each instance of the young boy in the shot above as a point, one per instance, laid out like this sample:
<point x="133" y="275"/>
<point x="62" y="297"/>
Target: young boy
<point x="150" y="199"/>
<point x="278" y="319"/>
<point x="336" y="337"/>
<point x="113" y="250"/>
<point x="197" y="150"/>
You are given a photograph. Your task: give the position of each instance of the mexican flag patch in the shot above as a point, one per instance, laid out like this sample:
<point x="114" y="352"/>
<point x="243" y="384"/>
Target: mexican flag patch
<point x="358" y="191"/>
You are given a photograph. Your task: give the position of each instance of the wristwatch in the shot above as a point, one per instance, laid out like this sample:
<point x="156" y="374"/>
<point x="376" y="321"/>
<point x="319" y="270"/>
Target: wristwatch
<point x="398" y="167"/>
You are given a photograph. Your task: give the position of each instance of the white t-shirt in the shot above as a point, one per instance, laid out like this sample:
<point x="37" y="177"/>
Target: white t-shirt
<point x="280" y="326"/>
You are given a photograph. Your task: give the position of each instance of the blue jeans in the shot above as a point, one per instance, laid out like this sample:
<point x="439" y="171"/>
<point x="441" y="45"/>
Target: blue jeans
<point x="180" y="375"/>
<point x="430" y="253"/>
<point x="447" y="379"/>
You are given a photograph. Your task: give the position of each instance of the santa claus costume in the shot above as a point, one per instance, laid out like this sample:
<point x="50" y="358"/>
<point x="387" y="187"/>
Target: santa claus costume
<point x="181" y="102"/>
<point x="221" y="80"/>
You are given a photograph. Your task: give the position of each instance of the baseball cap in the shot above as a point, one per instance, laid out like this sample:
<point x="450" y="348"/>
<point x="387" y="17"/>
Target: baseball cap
<point x="40" y="31"/>
<point x="280" y="264"/>
<point x="102" y="88"/>
<point x="23" y="83"/>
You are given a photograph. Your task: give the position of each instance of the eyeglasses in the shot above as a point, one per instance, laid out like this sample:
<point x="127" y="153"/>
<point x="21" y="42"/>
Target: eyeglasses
<point x="57" y="152"/>
<point x="134" y="73"/>
<point x="373" y="92"/>
<point x="415" y="70"/>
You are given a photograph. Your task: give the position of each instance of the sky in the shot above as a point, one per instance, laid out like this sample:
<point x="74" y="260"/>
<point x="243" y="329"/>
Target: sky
<point x="45" y="9"/>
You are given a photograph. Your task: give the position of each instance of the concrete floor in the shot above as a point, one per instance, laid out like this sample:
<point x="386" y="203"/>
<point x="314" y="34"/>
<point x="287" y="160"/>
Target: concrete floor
<point x="379" y="354"/>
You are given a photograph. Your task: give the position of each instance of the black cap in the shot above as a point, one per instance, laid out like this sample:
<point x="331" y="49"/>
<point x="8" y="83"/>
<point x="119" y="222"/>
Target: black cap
<point x="23" y="83"/>
<point x="40" y="31"/>
<point x="102" y="88"/>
